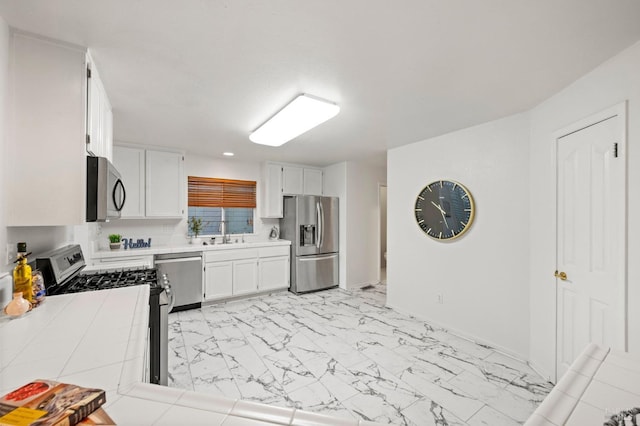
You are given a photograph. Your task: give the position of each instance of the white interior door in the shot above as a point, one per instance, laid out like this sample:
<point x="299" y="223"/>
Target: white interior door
<point x="591" y="187"/>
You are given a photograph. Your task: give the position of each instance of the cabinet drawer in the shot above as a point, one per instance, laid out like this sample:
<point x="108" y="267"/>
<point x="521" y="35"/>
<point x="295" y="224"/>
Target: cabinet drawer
<point x="273" y="251"/>
<point x="121" y="262"/>
<point x="222" y="255"/>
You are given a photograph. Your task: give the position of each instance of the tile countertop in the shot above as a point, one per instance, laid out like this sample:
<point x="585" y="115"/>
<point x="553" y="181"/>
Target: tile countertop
<point x="599" y="381"/>
<point x="98" y="339"/>
<point x="105" y="254"/>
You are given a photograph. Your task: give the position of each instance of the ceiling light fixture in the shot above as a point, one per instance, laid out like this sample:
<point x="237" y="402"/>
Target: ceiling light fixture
<point x="303" y="113"/>
<point x="228" y="154"/>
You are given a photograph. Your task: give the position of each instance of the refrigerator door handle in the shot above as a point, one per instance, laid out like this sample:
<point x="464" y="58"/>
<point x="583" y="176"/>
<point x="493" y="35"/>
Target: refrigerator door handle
<point x="316" y="258"/>
<point x="319" y="227"/>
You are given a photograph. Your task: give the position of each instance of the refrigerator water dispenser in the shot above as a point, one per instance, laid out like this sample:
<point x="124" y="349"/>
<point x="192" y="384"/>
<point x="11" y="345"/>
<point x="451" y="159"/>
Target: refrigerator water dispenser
<point x="307" y="235"/>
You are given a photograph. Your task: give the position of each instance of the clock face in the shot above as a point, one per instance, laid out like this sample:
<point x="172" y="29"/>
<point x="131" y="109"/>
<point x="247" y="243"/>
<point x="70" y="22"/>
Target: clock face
<point x="444" y="210"/>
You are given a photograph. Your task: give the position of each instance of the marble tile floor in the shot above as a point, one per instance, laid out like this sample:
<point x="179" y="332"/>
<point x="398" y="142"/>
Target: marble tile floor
<point x="346" y="354"/>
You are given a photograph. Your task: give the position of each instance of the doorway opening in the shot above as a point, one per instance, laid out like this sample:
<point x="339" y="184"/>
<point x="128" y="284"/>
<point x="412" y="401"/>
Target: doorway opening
<point x="382" y="252"/>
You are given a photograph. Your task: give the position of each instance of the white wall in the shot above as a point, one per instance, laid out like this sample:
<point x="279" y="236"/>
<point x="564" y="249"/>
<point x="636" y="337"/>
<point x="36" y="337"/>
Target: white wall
<point x="335" y="185"/>
<point x="482" y="276"/>
<point x="165" y="232"/>
<point x="613" y="82"/>
<point x="362" y="225"/>
<point x="356" y="184"/>
<point x="4" y="85"/>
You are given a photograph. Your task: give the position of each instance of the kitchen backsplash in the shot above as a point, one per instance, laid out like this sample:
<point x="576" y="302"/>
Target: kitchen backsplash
<point x="163" y="233"/>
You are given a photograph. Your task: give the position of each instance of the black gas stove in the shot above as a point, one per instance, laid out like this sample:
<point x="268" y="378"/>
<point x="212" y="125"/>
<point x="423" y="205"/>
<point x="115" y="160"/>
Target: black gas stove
<point x="104" y="280"/>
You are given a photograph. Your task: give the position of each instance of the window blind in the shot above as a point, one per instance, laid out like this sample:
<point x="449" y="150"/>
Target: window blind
<point x="214" y="192"/>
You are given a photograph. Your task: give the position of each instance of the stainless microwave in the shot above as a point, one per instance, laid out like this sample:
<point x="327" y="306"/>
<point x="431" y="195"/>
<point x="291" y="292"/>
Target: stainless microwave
<point x="106" y="194"/>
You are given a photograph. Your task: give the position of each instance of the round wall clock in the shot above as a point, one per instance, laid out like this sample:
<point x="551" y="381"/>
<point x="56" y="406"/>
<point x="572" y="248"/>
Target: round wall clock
<point x="444" y="210"/>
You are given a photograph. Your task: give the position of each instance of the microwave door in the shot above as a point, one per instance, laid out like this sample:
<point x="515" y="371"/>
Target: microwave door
<point x="116" y="197"/>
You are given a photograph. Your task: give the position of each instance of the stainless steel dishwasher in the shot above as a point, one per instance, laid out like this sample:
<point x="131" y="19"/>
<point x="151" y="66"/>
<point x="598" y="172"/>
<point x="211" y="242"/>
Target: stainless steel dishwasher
<point x="184" y="272"/>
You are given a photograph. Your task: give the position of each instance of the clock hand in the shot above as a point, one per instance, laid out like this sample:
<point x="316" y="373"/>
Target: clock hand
<point x="442" y="212"/>
<point x="437" y="207"/>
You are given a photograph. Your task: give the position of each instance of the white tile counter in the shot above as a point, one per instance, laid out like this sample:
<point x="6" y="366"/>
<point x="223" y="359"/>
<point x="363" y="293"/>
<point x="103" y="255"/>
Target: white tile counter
<point x="599" y="381"/>
<point x="106" y="254"/>
<point x="98" y="339"/>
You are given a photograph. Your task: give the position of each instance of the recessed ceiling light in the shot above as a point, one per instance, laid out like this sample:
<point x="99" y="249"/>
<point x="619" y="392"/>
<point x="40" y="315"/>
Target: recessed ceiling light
<point x="303" y="113"/>
<point x="228" y="154"/>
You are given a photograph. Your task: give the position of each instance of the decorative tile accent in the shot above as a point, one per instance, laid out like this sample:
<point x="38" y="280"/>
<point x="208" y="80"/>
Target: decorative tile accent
<point x="345" y="354"/>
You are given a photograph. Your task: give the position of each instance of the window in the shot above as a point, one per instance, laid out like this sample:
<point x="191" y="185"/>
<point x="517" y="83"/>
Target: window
<point x="222" y="203"/>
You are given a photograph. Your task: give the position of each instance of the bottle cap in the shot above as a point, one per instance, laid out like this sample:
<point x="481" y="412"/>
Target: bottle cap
<point x="22" y="247"/>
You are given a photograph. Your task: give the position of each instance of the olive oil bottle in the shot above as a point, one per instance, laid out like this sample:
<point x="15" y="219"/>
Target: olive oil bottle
<point x="22" y="280"/>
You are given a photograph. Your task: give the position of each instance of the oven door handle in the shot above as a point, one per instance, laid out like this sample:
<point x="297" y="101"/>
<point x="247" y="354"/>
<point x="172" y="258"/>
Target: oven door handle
<point x="171" y="296"/>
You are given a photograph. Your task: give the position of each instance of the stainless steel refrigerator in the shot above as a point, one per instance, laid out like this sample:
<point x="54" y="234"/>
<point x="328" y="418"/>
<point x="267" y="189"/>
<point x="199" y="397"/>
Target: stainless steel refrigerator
<point x="311" y="224"/>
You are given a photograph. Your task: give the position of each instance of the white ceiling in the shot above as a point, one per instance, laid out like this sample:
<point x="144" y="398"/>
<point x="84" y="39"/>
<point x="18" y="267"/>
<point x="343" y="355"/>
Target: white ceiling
<point x="202" y="74"/>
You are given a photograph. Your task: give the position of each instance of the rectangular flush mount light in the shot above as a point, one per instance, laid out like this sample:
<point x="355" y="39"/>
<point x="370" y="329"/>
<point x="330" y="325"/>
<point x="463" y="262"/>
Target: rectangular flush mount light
<point x="303" y="113"/>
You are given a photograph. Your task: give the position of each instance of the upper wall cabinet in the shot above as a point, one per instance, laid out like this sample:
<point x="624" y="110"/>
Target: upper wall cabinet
<point x="130" y="163"/>
<point x="285" y="179"/>
<point x="292" y="180"/>
<point x="153" y="180"/>
<point x="99" y="115"/>
<point x="271" y="190"/>
<point x="45" y="171"/>
<point x="312" y="182"/>
<point x="164" y="183"/>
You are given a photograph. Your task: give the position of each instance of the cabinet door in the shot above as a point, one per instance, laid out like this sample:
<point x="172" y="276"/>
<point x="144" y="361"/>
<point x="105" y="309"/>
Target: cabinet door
<point x="94" y="115"/>
<point x="312" y="182"/>
<point x="218" y="282"/>
<point x="273" y="273"/>
<point x="130" y="164"/>
<point x="245" y="276"/>
<point x="271" y="191"/>
<point x="292" y="180"/>
<point x="107" y="130"/>
<point x="99" y="116"/>
<point x="164" y="184"/>
<point x="45" y="155"/>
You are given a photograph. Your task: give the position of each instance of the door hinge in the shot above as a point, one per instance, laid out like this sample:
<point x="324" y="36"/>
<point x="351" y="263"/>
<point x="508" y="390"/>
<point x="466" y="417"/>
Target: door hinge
<point x="615" y="150"/>
<point x="88" y="72"/>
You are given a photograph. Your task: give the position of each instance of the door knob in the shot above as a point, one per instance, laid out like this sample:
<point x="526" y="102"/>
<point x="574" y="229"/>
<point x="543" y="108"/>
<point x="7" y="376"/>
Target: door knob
<point x="561" y="275"/>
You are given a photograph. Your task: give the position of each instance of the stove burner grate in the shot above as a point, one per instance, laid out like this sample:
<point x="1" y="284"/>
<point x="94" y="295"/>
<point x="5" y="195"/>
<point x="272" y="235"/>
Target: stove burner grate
<point x="107" y="280"/>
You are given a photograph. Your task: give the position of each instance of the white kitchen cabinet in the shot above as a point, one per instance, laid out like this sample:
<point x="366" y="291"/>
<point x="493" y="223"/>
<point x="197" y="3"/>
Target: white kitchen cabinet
<point x="292" y="180"/>
<point x="271" y="190"/>
<point x="281" y="179"/>
<point x="245" y="276"/>
<point x="99" y="114"/>
<point x="273" y="267"/>
<point x="312" y="182"/>
<point x="45" y="167"/>
<point x="130" y="162"/>
<point x="218" y="280"/>
<point x="245" y="271"/>
<point x="273" y="273"/>
<point x="154" y="182"/>
<point x="164" y="182"/>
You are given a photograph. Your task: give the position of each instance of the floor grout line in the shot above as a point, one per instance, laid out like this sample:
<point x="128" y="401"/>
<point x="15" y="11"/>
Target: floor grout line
<point x="376" y="365"/>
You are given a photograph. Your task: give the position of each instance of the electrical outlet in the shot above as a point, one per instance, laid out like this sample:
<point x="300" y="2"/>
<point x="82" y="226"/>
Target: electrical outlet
<point x="12" y="253"/>
<point x="439" y="299"/>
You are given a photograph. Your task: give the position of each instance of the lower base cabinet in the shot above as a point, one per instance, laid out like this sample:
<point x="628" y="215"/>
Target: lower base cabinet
<point x="273" y="272"/>
<point x="237" y="272"/>
<point x="245" y="276"/>
<point x="218" y="280"/>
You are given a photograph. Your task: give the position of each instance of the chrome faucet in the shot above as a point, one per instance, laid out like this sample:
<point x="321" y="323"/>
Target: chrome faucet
<point x="223" y="230"/>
